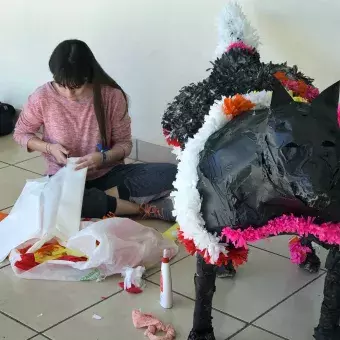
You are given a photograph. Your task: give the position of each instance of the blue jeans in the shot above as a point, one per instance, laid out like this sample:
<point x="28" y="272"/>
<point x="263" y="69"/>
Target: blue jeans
<point x="138" y="183"/>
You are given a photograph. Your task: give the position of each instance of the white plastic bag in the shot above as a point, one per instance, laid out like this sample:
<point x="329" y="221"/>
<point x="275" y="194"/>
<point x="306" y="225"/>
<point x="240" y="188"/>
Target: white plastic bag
<point x="50" y="209"/>
<point x="46" y="208"/>
<point x="111" y="245"/>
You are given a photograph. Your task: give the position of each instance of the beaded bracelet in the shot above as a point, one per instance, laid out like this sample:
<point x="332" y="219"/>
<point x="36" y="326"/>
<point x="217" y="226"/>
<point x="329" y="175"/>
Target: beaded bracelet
<point x="48" y="148"/>
<point x="104" y="155"/>
<point x="102" y="150"/>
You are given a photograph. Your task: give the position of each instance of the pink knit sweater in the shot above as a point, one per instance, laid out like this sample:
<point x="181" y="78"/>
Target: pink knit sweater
<point x="73" y="124"/>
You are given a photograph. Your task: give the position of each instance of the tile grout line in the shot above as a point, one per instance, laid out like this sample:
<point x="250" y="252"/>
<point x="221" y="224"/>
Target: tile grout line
<point x="260" y="328"/>
<point x="19" y="322"/>
<point x="8" y="164"/>
<point x="247" y="324"/>
<point x="16" y="165"/>
<point x="270" y="332"/>
<point x="234" y="317"/>
<point x="286" y="298"/>
<point x="280" y="255"/>
<point x="238" y="332"/>
<point x="269" y="251"/>
<point x="28" y="159"/>
<point x="215" y="309"/>
<point x="6" y="265"/>
<point x="251" y="323"/>
<point x="79" y="312"/>
<point x="43" y="335"/>
<point x="171" y="264"/>
<point x="73" y="315"/>
<point x="33" y="172"/>
<point x="25" y="160"/>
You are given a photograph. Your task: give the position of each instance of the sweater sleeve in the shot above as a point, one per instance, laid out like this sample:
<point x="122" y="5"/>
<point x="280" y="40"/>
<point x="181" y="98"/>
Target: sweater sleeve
<point x="121" y="124"/>
<point x="29" y="122"/>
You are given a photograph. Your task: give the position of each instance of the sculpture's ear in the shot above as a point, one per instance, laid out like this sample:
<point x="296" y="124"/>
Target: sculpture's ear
<point x="280" y="96"/>
<point x="326" y="103"/>
<point x="328" y="97"/>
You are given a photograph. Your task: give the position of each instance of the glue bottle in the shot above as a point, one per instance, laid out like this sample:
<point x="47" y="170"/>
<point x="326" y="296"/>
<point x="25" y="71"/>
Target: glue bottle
<point x="165" y="281"/>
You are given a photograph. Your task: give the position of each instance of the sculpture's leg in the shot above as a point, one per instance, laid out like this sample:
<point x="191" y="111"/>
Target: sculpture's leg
<point x="328" y="328"/>
<point x="205" y="288"/>
<point x="312" y="263"/>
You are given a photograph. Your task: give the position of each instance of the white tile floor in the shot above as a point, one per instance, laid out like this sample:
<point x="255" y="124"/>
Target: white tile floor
<point x="270" y="299"/>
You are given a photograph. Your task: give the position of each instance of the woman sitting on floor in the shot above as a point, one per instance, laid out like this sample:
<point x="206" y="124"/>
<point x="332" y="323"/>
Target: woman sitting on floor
<point x="84" y="113"/>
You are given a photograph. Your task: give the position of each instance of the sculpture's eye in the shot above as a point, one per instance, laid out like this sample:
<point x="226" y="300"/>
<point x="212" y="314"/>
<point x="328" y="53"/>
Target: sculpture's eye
<point x="328" y="144"/>
<point x="290" y="150"/>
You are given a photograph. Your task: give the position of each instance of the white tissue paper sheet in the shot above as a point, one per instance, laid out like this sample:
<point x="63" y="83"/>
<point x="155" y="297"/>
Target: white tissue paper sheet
<point x="46" y="208"/>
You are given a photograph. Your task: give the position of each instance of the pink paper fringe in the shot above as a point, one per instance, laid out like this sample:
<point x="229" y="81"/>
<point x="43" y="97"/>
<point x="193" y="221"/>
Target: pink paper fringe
<point x="327" y="232"/>
<point x="293" y="85"/>
<point x="339" y="115"/>
<point x="311" y="91"/>
<point x="241" y="45"/>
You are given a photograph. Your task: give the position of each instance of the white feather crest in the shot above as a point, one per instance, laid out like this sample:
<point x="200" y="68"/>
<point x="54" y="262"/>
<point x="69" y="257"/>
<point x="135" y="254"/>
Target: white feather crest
<point x="187" y="200"/>
<point x="176" y="150"/>
<point x="233" y="26"/>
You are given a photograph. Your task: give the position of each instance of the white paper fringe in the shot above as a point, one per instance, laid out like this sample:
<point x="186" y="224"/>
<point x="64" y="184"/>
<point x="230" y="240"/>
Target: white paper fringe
<point x="176" y="150"/>
<point x="187" y="200"/>
<point x="233" y="26"/>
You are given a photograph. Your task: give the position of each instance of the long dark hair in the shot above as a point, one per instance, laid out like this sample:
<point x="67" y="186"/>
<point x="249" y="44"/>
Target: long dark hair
<point x="73" y="64"/>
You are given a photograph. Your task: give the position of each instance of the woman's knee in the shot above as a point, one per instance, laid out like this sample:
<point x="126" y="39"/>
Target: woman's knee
<point x="97" y="204"/>
<point x="112" y="192"/>
<point x="170" y="170"/>
<point x="169" y="174"/>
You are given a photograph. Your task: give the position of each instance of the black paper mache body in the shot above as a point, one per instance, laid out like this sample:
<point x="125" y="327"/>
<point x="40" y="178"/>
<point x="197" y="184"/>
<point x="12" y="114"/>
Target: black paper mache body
<point x="265" y="163"/>
<point x="237" y="71"/>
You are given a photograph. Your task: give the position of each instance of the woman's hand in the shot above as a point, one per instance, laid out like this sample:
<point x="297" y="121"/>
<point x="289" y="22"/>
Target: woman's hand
<point x="58" y="152"/>
<point x="92" y="161"/>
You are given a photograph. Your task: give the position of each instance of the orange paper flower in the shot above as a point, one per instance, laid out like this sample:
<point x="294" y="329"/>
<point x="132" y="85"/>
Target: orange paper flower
<point x="2" y="216"/>
<point x="237" y="104"/>
<point x="298" y="87"/>
<point x="281" y="76"/>
<point x="302" y="88"/>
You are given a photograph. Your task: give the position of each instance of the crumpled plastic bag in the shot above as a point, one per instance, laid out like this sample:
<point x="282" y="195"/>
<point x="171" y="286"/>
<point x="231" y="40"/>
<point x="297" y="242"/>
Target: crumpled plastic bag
<point x="46" y="208"/>
<point x="275" y="161"/>
<point x="48" y="211"/>
<point x="110" y="246"/>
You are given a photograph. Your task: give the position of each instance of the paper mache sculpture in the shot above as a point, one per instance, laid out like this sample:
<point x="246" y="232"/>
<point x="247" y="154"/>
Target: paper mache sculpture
<point x="259" y="156"/>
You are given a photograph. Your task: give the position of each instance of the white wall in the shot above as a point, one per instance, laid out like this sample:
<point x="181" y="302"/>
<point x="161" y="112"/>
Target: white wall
<point x="153" y="47"/>
<point x="302" y="32"/>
